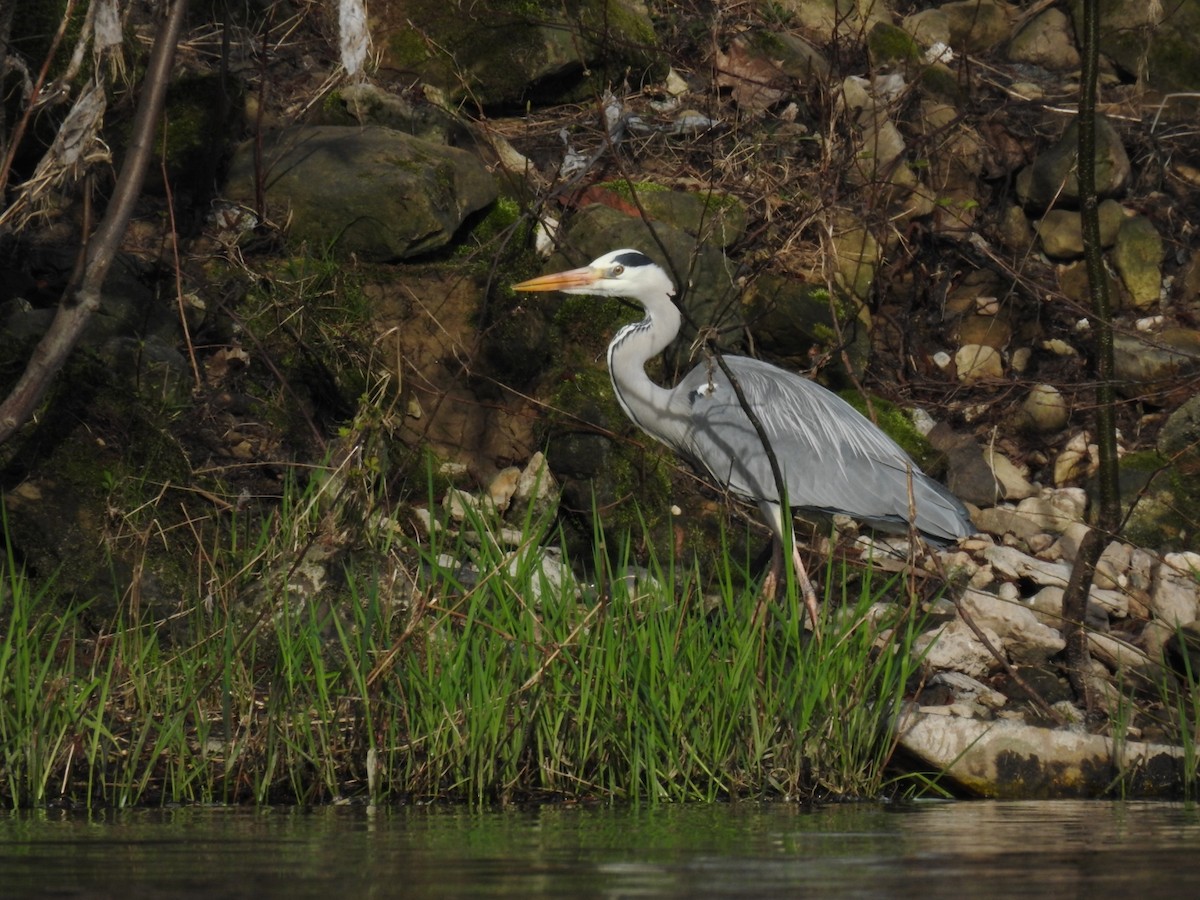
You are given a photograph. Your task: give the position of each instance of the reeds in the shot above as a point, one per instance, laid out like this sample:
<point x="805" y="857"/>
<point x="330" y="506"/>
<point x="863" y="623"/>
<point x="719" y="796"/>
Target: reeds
<point x="517" y="682"/>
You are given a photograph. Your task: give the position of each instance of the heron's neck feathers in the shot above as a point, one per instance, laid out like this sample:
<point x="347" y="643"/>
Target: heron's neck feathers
<point x="634" y="345"/>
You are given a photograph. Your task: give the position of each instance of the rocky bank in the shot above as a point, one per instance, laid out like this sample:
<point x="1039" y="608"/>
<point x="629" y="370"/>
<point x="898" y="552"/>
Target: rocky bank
<point x="881" y="196"/>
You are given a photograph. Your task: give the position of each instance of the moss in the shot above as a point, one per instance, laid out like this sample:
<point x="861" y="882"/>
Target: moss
<point x="896" y="424"/>
<point x="889" y="43"/>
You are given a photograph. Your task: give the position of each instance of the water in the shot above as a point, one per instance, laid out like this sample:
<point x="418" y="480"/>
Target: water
<point x="926" y="850"/>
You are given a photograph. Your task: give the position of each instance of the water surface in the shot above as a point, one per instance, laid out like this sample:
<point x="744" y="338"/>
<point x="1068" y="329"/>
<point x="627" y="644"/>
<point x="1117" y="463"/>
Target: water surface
<point x="926" y="850"/>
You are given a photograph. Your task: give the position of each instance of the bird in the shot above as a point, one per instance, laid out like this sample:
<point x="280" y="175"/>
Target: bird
<point x="831" y="459"/>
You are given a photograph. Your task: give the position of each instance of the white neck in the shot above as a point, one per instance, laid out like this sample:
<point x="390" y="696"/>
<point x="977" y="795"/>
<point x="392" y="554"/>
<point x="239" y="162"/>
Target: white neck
<point x="634" y="345"/>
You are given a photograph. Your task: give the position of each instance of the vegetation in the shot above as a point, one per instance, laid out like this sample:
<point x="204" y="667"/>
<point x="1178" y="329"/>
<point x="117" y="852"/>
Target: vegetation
<point x="514" y="684"/>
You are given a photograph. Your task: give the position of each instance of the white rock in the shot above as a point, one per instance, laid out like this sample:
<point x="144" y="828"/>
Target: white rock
<point x="1113" y="566"/>
<point x="1012" y="563"/>
<point x="978" y="361"/>
<point x="1008" y="759"/>
<point x="1046" y="409"/>
<point x="535" y="482"/>
<point x="1076" y="460"/>
<point x="1012" y="477"/>
<point x="1072" y="537"/>
<point x="1173" y="597"/>
<point x="1051" y="510"/>
<point x="503" y="486"/>
<point x="457" y="503"/>
<point x="1119" y="655"/>
<point x="954" y="647"/>
<point x="1024" y="638"/>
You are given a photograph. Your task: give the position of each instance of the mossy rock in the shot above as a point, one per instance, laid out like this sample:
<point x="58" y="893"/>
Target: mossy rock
<point x="509" y="51"/>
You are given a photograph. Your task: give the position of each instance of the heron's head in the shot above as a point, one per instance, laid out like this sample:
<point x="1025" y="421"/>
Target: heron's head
<point x="621" y="273"/>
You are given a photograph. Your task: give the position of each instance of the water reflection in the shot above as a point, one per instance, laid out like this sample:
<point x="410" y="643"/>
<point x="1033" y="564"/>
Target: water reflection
<point x="926" y="850"/>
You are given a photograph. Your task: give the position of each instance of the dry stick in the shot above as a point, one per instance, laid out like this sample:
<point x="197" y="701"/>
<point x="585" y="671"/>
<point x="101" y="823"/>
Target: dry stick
<point x="76" y="311"/>
<point x="183" y="322"/>
<point x="1074" y="602"/>
<point x="23" y="122"/>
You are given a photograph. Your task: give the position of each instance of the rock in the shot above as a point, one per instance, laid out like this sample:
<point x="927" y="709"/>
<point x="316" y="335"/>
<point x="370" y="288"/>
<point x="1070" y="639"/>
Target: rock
<point x="1179" y="437"/>
<point x="955" y="647"/>
<point x="1173" y="598"/>
<point x="967" y="474"/>
<point x="506" y="55"/>
<point x="1078" y="459"/>
<point x="1124" y="659"/>
<point x="1046" y="604"/>
<point x="989" y="330"/>
<point x="1015" y="232"/>
<point x="1026" y="640"/>
<point x="928" y="27"/>
<point x="1156" y="41"/>
<point x="1046" y="41"/>
<point x="1112" y="566"/>
<point x="1138" y="256"/>
<point x="1148" y="365"/>
<point x="968" y="690"/>
<point x="1049" y="512"/>
<point x="1072" y="538"/>
<point x="1061" y="231"/>
<point x="1051" y="177"/>
<point x="1013" y="479"/>
<point x="1045" y="409"/>
<point x="1012" y="563"/>
<point x="999" y="520"/>
<point x="373" y="192"/>
<point x="977" y="25"/>
<point x="502" y="487"/>
<point x="1008" y="759"/>
<point x="976" y="362"/>
<point x="763" y="66"/>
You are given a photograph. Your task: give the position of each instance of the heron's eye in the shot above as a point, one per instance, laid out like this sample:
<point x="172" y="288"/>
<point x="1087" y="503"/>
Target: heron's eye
<point x="616" y="271"/>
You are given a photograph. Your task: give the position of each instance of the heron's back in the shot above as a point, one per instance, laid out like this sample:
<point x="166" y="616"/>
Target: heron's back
<point x="831" y="457"/>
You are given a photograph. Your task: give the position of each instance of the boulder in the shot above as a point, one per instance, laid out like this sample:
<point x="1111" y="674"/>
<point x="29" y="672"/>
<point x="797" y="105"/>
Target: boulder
<point x="377" y="193"/>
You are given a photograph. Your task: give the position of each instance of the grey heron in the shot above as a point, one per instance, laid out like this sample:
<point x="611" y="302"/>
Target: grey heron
<point x="831" y="458"/>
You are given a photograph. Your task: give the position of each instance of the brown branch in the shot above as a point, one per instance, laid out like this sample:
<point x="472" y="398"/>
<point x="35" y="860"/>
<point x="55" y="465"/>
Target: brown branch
<point x="76" y="310"/>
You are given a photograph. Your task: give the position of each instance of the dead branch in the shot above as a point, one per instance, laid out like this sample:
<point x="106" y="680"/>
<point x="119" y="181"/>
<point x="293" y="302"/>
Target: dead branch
<point x="76" y="309"/>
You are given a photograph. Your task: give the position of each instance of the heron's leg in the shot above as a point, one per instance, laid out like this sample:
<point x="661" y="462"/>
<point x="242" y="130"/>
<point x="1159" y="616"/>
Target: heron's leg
<point x="774" y="578"/>
<point x="810" y="596"/>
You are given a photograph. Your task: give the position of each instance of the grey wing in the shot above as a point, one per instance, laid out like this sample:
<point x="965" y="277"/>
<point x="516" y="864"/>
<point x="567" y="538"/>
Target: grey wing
<point x="831" y="457"/>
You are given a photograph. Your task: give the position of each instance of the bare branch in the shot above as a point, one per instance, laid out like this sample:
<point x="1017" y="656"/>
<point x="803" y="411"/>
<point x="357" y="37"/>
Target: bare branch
<point x="76" y="310"/>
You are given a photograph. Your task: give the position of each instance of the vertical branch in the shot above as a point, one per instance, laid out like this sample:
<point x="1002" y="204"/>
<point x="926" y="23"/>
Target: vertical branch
<point x="76" y="310"/>
<point x="1074" y="604"/>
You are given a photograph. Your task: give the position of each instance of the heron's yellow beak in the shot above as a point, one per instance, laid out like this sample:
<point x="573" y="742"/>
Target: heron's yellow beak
<point x="560" y="281"/>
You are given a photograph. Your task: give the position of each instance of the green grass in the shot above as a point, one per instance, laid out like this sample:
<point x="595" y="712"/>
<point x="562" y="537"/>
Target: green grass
<point x="506" y="686"/>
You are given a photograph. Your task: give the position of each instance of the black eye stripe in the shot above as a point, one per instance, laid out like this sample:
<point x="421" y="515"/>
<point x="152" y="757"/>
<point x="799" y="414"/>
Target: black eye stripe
<point x="633" y="258"/>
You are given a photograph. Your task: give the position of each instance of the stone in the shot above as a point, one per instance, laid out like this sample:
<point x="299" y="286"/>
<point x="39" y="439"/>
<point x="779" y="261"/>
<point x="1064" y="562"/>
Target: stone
<point x="1061" y="231"/>
<point x="955" y="647"/>
<point x="1013" y="479"/>
<point x="1051" y="177"/>
<point x="373" y="192"/>
<point x="1123" y="658"/>
<point x="1046" y="41"/>
<point x="1000" y="520"/>
<point x="977" y="25"/>
<point x="1044" y="409"/>
<point x="1173" y="597"/>
<point x="1148" y="364"/>
<point x="1112" y="566"/>
<point x="1137" y="256"/>
<point x="977" y="362"/>
<point x="1026" y="640"/>
<point x="1078" y="459"/>
<point x="1050" y="511"/>
<point x="1009" y="759"/>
